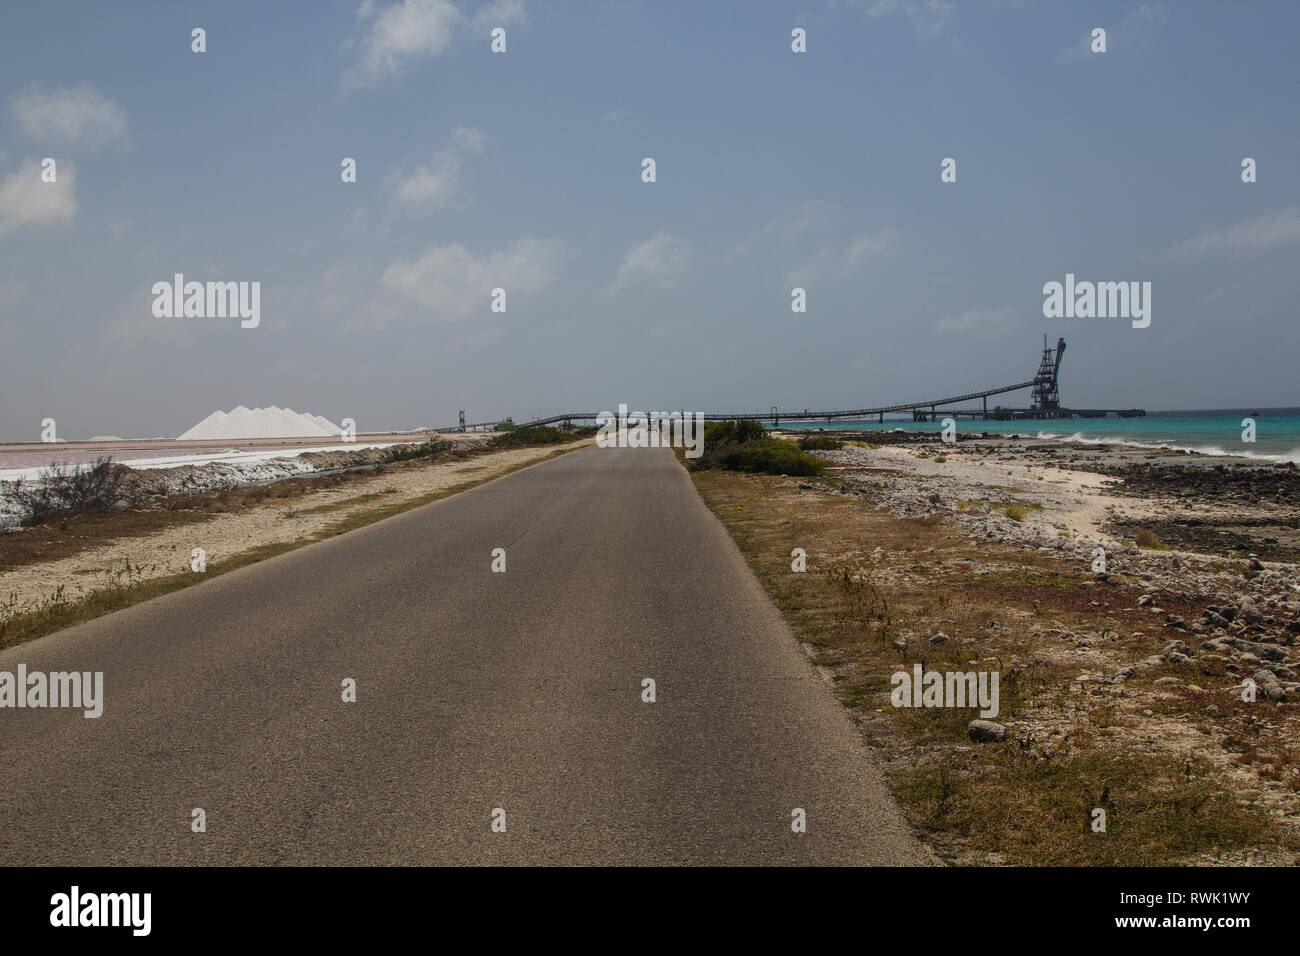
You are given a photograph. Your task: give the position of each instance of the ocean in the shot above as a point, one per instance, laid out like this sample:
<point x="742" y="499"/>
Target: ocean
<point x="1209" y="431"/>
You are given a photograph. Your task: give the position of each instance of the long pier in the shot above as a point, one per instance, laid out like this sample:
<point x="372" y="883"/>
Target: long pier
<point x="1045" y="404"/>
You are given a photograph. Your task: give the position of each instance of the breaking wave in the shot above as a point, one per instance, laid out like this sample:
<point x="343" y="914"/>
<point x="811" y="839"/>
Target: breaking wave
<point x="1292" y="456"/>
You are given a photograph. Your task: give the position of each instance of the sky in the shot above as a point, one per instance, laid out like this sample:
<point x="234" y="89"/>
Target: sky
<point x="522" y="170"/>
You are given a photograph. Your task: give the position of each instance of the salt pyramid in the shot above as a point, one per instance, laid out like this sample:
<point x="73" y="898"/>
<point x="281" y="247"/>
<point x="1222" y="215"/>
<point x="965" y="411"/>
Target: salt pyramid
<point x="273" y="422"/>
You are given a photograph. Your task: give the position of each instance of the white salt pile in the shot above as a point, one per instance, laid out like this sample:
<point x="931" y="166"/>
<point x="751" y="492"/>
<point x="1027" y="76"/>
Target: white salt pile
<point x="273" y="422"/>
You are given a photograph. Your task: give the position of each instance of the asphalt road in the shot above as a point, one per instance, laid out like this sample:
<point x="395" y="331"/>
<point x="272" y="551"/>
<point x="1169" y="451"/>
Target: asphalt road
<point x="475" y="691"/>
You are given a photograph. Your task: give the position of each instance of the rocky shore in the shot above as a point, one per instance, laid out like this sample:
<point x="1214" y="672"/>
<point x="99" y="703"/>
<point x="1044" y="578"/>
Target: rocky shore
<point x="1192" y="631"/>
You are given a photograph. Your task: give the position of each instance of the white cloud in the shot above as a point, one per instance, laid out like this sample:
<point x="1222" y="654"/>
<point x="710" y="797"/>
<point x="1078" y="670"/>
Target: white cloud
<point x="986" y="320"/>
<point x="81" y="115"/>
<point x="1259" y="233"/>
<point x="398" y="32"/>
<point x="407" y="29"/>
<point x="656" y="261"/>
<point x="436" y="183"/>
<point x="928" y="16"/>
<point x="1120" y="38"/>
<point x="27" y="201"/>
<point x="451" y="284"/>
<point x="499" y="13"/>
<point x="809" y="215"/>
<point x="832" y="264"/>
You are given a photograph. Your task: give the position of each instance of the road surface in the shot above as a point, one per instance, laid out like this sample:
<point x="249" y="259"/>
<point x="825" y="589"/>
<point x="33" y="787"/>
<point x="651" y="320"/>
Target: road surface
<point x="476" y="691"/>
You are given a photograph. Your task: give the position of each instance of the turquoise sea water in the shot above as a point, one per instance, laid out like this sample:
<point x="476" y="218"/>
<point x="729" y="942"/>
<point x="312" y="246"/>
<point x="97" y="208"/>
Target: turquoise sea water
<point x="1213" y="431"/>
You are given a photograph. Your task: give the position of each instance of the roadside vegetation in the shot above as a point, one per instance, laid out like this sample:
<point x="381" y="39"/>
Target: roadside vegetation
<point x="820" y="443"/>
<point x="538" y="435"/>
<point x="62" y="490"/>
<point x="882" y="593"/>
<point x="431" y="448"/>
<point x="745" y="446"/>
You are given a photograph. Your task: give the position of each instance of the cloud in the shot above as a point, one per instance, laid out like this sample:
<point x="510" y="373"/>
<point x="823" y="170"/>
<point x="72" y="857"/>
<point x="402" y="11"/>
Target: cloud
<point x="657" y="262"/>
<point x="928" y="16"/>
<point x="79" y="116"/>
<point x="809" y="215"/>
<point x="832" y="264"/>
<point x="451" y="284"/>
<point x="987" y="320"/>
<point x="1120" y="38"/>
<point x="436" y="183"/>
<point x="27" y="201"/>
<point x="1260" y="233"/>
<point x="499" y="13"/>
<point x="398" y="32"/>
<point x="408" y="29"/>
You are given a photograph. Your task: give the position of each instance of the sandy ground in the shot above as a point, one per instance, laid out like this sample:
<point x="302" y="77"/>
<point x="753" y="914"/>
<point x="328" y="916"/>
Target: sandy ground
<point x="1078" y="502"/>
<point x="169" y="552"/>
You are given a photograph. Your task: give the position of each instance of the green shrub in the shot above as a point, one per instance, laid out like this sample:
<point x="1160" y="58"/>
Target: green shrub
<point x="820" y="443"/>
<point x="537" y="435"/>
<point x="771" y="456"/>
<point x="426" y="449"/>
<point x="733" y="432"/>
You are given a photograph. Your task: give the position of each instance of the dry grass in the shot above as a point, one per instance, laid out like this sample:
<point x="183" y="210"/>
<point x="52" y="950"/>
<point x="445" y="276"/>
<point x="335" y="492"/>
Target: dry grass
<point x="873" y="577"/>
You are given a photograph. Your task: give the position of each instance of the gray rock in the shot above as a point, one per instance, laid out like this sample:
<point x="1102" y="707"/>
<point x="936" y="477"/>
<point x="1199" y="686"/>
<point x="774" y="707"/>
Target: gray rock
<point x="1268" y="652"/>
<point x="940" y="638"/>
<point x="986" y="731"/>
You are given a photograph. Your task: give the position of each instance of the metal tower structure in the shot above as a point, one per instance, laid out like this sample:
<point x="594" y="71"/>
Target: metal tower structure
<point x="1046" y="402"/>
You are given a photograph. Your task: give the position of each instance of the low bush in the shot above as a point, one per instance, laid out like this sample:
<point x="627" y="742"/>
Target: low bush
<point x="820" y="443"/>
<point x="733" y="432"/>
<point x="771" y="456"/>
<point x="425" y="449"/>
<point x="64" y="490"/>
<point x="537" y="435"/>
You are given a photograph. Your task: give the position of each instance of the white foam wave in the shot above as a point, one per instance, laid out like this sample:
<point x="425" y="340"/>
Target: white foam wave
<point x="1079" y="437"/>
